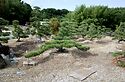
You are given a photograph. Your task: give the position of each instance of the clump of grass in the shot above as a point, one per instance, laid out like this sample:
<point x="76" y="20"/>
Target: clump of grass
<point x="121" y="63"/>
<point x="118" y="53"/>
<point x="119" y="58"/>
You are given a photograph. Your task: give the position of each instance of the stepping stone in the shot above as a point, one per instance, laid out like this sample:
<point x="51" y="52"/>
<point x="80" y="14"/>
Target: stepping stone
<point x="30" y="63"/>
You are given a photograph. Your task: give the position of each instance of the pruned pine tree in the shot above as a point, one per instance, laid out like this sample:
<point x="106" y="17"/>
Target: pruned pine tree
<point x="61" y="41"/>
<point x="3" y="30"/>
<point x="18" y="31"/>
<point x="120" y="32"/>
<point x="94" y="31"/>
<point x="83" y="29"/>
<point x="39" y="29"/>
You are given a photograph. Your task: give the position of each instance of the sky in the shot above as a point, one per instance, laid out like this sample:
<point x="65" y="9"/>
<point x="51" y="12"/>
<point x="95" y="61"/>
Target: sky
<point x="72" y="4"/>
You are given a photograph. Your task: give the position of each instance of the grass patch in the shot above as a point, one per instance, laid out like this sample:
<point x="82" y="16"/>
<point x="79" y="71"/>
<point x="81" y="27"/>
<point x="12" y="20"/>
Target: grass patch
<point x="118" y="53"/>
<point x="119" y="58"/>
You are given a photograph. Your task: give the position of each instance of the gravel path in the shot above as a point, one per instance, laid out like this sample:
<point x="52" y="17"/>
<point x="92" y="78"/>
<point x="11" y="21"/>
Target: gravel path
<point x="75" y="66"/>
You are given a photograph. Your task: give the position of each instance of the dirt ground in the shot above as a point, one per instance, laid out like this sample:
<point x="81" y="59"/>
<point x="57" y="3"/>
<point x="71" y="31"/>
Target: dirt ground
<point x="94" y="65"/>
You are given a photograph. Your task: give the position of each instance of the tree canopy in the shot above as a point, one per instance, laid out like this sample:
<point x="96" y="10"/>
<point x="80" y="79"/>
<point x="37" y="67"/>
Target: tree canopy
<point x="15" y="10"/>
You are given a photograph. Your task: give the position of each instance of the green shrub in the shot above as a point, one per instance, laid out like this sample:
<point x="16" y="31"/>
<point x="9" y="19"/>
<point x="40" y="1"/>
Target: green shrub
<point x="83" y="48"/>
<point x="5" y="33"/>
<point x="3" y="21"/>
<point x="118" y="53"/>
<point x="121" y="63"/>
<point x="4" y="39"/>
<point x="32" y="53"/>
<point x="119" y="57"/>
<point x="120" y="32"/>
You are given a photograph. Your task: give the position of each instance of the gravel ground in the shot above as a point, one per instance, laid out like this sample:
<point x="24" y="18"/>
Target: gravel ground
<point x="75" y="66"/>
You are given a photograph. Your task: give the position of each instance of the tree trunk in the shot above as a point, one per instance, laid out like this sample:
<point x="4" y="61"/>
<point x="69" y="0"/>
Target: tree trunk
<point x="18" y="39"/>
<point x="120" y="40"/>
<point x="61" y="49"/>
<point x="91" y="39"/>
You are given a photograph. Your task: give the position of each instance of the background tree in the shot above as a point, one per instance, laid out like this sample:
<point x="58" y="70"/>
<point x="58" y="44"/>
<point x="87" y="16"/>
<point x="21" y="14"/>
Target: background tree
<point x="94" y="31"/>
<point x="15" y="10"/>
<point x="4" y="35"/>
<point x="17" y="32"/>
<point x="54" y="24"/>
<point x="52" y="13"/>
<point x="108" y="17"/>
<point x="120" y="32"/>
<point x="35" y="14"/>
<point x="83" y="29"/>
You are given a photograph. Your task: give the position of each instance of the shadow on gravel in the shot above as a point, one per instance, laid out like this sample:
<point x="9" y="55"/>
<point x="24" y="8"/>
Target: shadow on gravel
<point x="23" y="47"/>
<point x="80" y="54"/>
<point x="102" y="42"/>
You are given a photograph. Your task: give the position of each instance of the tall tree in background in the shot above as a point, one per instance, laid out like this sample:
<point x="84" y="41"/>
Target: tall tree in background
<point x="15" y="10"/>
<point x="35" y="14"/>
<point x="54" y="24"/>
<point x="51" y="13"/>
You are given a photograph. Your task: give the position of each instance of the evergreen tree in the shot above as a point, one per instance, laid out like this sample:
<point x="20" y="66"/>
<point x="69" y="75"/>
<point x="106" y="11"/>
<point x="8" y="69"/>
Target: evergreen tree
<point x="4" y="35"/>
<point x="94" y="31"/>
<point x="120" y="32"/>
<point x="61" y="41"/>
<point x="18" y="31"/>
<point x="54" y="24"/>
<point x="40" y="29"/>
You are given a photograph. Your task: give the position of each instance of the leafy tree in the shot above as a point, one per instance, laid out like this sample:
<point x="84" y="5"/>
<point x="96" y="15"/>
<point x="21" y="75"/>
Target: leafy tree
<point x="120" y="32"/>
<point x="15" y="10"/>
<point x="54" y="24"/>
<point x="38" y="27"/>
<point x="17" y="32"/>
<point x="108" y="17"/>
<point x="35" y="14"/>
<point x="51" y="13"/>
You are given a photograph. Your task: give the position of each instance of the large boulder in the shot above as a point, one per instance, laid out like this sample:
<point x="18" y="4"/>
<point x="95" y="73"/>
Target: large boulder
<point x="2" y="62"/>
<point x="4" y="52"/>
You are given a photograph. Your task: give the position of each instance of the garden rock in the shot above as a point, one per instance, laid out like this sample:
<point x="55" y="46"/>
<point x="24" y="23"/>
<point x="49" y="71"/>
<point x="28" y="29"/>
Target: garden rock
<point x="80" y="39"/>
<point x="30" y="63"/>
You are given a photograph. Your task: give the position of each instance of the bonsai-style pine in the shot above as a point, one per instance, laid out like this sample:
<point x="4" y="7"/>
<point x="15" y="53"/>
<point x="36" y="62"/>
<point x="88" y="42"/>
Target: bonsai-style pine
<point x="61" y="41"/>
<point x="17" y="32"/>
<point x="94" y="31"/>
<point x="4" y="35"/>
<point x="120" y="32"/>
